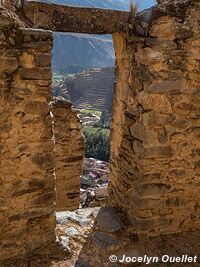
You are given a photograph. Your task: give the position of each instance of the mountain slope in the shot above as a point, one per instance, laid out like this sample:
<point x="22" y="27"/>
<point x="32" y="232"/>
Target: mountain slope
<point x="74" y="52"/>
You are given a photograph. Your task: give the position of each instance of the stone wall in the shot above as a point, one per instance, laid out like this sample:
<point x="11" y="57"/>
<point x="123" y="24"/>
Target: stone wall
<point x="26" y="148"/>
<point x="69" y="152"/>
<point x="155" y="149"/>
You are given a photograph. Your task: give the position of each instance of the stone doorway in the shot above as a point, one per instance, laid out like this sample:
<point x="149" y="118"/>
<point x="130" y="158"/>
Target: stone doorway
<point x="84" y="96"/>
<point x="154" y="179"/>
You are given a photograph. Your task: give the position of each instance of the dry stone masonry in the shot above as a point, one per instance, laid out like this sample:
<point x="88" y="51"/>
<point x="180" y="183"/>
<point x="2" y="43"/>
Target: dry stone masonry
<point x="155" y="147"/>
<point x="26" y="149"/>
<point x="69" y="154"/>
<point x="155" y="137"/>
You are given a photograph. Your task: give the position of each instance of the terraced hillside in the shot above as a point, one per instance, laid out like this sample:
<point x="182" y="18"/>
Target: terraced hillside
<point x="91" y="89"/>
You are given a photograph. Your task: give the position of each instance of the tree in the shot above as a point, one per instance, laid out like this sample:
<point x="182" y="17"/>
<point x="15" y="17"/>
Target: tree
<point x="97" y="143"/>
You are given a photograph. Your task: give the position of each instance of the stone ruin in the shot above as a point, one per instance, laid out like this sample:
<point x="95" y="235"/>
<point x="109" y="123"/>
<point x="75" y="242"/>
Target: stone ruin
<point x="69" y="153"/>
<point x="155" y="147"/>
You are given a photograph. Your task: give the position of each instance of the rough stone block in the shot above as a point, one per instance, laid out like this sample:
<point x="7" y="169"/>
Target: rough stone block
<point x="167" y="86"/>
<point x="8" y="65"/>
<point x="35" y="73"/>
<point x="158" y="152"/>
<point x="43" y="59"/>
<point x="158" y="103"/>
<point x="141" y="224"/>
<point x="109" y="220"/>
<point x="103" y="242"/>
<point x="37" y="108"/>
<point x="164" y="28"/>
<point x="27" y="60"/>
<point x="153" y="118"/>
<point x="148" y="56"/>
<point x="138" y="131"/>
<point x="184" y="107"/>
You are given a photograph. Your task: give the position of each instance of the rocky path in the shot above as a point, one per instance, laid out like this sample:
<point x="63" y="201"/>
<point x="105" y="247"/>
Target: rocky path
<point x="90" y="236"/>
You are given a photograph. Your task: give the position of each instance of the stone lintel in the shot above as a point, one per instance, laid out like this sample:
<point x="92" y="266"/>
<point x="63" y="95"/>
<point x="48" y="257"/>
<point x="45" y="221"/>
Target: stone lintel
<point x="73" y="19"/>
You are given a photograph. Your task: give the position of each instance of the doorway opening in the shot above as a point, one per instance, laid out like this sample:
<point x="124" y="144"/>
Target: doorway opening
<point x="83" y="74"/>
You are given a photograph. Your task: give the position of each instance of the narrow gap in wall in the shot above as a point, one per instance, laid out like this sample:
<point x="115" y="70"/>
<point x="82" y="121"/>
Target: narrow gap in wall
<point x="83" y="73"/>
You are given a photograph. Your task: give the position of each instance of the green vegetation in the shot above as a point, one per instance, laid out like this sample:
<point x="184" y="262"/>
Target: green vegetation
<point x="92" y="111"/>
<point x="97" y="143"/>
<point x="97" y="137"/>
<point x="105" y="120"/>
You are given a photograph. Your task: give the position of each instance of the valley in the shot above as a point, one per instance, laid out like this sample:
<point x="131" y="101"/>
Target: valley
<point x="91" y="93"/>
